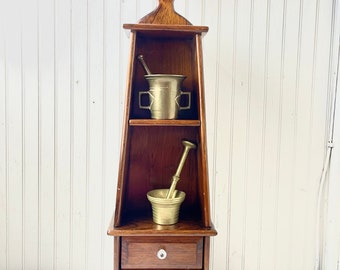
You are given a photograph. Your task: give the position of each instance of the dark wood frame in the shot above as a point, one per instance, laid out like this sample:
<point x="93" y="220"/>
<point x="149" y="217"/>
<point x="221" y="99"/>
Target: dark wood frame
<point x="151" y="149"/>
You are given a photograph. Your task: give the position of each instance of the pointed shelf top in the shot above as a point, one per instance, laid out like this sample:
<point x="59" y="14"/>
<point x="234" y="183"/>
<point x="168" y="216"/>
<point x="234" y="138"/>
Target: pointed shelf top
<point x="165" y="14"/>
<point x="166" y="21"/>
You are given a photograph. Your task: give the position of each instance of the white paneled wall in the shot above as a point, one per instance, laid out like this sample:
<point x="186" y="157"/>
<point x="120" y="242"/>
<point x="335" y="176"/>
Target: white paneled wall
<point x="269" y="76"/>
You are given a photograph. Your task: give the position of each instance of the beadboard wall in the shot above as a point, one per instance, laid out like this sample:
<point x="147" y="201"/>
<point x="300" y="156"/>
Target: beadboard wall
<point x="270" y="71"/>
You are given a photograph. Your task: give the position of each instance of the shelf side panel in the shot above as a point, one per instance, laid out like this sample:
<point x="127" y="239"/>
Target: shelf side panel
<point x="203" y="159"/>
<point x="124" y="147"/>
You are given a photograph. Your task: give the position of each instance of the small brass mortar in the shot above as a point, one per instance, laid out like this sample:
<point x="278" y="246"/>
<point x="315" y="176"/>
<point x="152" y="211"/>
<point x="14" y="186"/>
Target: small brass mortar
<point x="165" y="211"/>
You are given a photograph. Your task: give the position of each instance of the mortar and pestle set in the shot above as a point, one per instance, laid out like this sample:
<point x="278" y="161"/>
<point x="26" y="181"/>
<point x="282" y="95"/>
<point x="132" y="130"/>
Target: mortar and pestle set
<point x="164" y="95"/>
<point x="166" y="202"/>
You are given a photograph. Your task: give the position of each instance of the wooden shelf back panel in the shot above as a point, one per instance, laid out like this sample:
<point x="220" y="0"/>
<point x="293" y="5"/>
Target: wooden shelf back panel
<point x="165" y="56"/>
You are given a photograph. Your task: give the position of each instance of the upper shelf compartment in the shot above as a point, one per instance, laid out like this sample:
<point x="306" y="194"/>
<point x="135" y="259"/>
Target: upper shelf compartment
<point x="170" y="45"/>
<point x="175" y="55"/>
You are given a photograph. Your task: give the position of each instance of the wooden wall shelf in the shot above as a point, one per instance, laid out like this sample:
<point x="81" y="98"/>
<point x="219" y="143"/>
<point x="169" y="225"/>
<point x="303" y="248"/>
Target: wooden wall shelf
<point x="151" y="150"/>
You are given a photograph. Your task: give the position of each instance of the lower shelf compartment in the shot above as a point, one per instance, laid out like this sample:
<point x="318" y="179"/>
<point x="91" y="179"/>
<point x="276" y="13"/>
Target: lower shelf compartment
<point x="161" y="252"/>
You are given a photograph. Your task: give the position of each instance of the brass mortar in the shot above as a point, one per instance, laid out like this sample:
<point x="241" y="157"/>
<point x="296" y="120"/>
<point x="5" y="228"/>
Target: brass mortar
<point x="165" y="211"/>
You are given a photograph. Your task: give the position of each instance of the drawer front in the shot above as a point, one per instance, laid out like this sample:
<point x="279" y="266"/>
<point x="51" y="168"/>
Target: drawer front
<point x="162" y="252"/>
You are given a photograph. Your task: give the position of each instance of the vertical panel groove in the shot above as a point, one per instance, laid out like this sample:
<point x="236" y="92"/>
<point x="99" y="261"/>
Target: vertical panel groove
<point x="296" y="108"/>
<point x="264" y="137"/>
<point x="279" y="137"/>
<point x="23" y="180"/>
<point x="247" y="137"/>
<point x="6" y="150"/>
<point x="318" y="249"/>
<point x="55" y="140"/>
<point x="72" y="156"/>
<point x="88" y="83"/>
<point x="71" y="224"/>
<point x="294" y="180"/>
<point x="231" y="131"/>
<point x="23" y="167"/>
<point x="104" y="148"/>
<point x="39" y="135"/>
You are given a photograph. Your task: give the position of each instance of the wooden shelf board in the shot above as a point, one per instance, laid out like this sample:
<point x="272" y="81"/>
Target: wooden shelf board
<point x="146" y="227"/>
<point x="155" y="122"/>
<point x="167" y="28"/>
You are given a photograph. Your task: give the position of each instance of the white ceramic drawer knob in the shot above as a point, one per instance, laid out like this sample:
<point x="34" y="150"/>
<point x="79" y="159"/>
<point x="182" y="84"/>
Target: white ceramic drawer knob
<point x="161" y="254"/>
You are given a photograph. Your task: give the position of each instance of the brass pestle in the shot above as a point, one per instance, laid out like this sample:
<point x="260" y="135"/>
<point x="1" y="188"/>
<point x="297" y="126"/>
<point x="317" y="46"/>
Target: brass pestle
<point x="187" y="146"/>
<point x="145" y="66"/>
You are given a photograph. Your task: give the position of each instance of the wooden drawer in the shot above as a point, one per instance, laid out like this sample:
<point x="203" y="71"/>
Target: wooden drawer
<point x="162" y="252"/>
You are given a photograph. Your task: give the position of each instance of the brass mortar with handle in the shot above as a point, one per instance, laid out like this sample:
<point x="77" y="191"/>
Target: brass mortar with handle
<point x="164" y="94"/>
